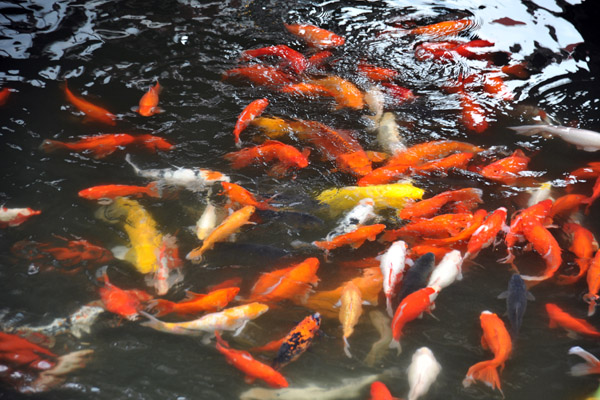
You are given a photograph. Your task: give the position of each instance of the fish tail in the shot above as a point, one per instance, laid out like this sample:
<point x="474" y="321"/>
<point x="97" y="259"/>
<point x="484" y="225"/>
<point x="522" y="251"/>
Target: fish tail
<point x="591" y="300"/>
<point x="154" y="189"/>
<point x="162" y="307"/>
<point x="49" y="145"/>
<point x="152" y="322"/>
<point x="529" y="130"/>
<point x="237" y="159"/>
<point x="347" y="347"/>
<point x="395" y="344"/>
<point x="590" y="366"/>
<point x="128" y="159"/>
<point x="388" y="306"/>
<point x="486" y="372"/>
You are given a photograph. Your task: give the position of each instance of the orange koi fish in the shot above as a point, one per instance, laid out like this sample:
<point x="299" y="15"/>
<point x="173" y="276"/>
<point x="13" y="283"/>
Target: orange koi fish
<point x="567" y="204"/>
<point x="465" y="234"/>
<point x="292" y="283"/>
<point x="411" y="307"/>
<point x="10" y="217"/>
<point x="422" y="249"/>
<point x="486" y="234"/>
<point x="252" y="368"/>
<point x="251" y="111"/>
<point x="560" y="318"/>
<point x="445" y="28"/>
<point x="355" y="238"/>
<point x="229" y="226"/>
<point x="495" y="85"/>
<point x="238" y="195"/>
<point x="429" y="207"/>
<point x="379" y="391"/>
<point x="262" y="75"/>
<point x="149" y="102"/>
<point x="374" y="73"/>
<point x="195" y="303"/>
<point x="497" y="339"/>
<point x="314" y="36"/>
<point x="345" y="93"/>
<point x="305" y="89"/>
<point x="590" y="171"/>
<point x="287" y="157"/>
<point x="593" y="197"/>
<point x="545" y="245"/>
<point x="398" y="93"/>
<point x="91" y="110"/>
<point x="350" y="312"/>
<point x="473" y="115"/>
<point x="507" y="169"/>
<point x="4" y="94"/>
<point x="74" y="253"/>
<point x="297" y="341"/>
<point x="583" y="245"/>
<point x="441" y="226"/>
<point x="294" y="59"/>
<point x="126" y="303"/>
<point x="317" y="60"/>
<point x="454" y="161"/>
<point x="112" y="191"/>
<point x="593" y="282"/>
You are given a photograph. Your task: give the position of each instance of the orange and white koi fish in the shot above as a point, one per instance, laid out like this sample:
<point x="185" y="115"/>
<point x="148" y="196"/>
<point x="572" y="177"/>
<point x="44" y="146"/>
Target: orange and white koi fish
<point x="345" y="93"/>
<point x="168" y="272"/>
<point x="507" y="170"/>
<point x="486" y="234"/>
<point x="112" y="191"/>
<point x="207" y="222"/>
<point x="294" y="59"/>
<point x="429" y="207"/>
<point x="392" y="268"/>
<point x="195" y="303"/>
<point x="350" y="312"/>
<point x="497" y="339"/>
<point x="314" y="36"/>
<point x="91" y="110"/>
<point x="412" y="307"/>
<point x="252" y="368"/>
<point x="422" y="372"/>
<point x="10" y="217"/>
<point x="229" y="226"/>
<point x="447" y="271"/>
<point x="262" y="75"/>
<point x="230" y="319"/>
<point x="545" y="245"/>
<point x="239" y="195"/>
<point x="286" y="157"/>
<point x="126" y="303"/>
<point x="355" y="238"/>
<point x="559" y="318"/>
<point x="252" y="110"/>
<point x="149" y="102"/>
<point x="593" y="282"/>
<point x="589" y="367"/>
<point x="297" y="341"/>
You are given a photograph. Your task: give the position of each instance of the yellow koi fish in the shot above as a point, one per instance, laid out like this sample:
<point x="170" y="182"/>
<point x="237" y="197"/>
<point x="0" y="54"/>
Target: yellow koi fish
<point x="350" y="312"/>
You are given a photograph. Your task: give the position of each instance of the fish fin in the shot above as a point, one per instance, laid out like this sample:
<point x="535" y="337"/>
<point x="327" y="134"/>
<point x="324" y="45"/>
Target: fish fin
<point x="530" y="297"/>
<point x="239" y="330"/>
<point x="582" y="369"/>
<point x="207" y="338"/>
<point x="155" y="189"/>
<point x="193" y="295"/>
<point x="359" y="243"/>
<point x="278" y="170"/>
<point x="395" y="344"/>
<point x="503" y="295"/>
<point x="347" y="348"/>
<point x="161" y="306"/>
<point x="49" y="145"/>
<point x="572" y="335"/>
<point x="486" y="372"/>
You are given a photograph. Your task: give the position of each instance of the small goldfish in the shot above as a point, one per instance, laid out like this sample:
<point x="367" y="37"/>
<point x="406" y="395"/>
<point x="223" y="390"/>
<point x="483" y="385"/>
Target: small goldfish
<point x="4" y="94"/>
<point x="305" y="89"/>
<point x="253" y="368"/>
<point x="229" y="226"/>
<point x="350" y="312"/>
<point x="296" y="60"/>
<point x="126" y="303"/>
<point x="379" y="391"/>
<point x="149" y="102"/>
<point x="546" y="246"/>
<point x="497" y="339"/>
<point x="286" y="157"/>
<point x="314" y="36"/>
<point x="444" y="28"/>
<point x="91" y="110"/>
<point x="75" y="252"/>
<point x="376" y="73"/>
<point x="593" y="282"/>
<point x="297" y="341"/>
<point x="10" y="217"/>
<point x="252" y="110"/>
<point x="473" y="115"/>
<point x="583" y="245"/>
<point x="112" y="191"/>
<point x="559" y="318"/>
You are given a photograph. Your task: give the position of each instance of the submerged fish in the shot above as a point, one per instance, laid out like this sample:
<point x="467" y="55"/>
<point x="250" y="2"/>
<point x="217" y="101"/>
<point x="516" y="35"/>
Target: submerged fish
<point x="416" y="277"/>
<point x="10" y="217"/>
<point x="388" y="134"/>
<point x="358" y="216"/>
<point x="422" y="372"/>
<point x="382" y="323"/>
<point x="583" y="139"/>
<point x="516" y="302"/>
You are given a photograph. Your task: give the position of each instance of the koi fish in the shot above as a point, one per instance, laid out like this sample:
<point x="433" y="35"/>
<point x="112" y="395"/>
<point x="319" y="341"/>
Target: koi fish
<point x="230" y="225"/>
<point x="589" y="367"/>
<point x="399" y="94"/>
<point x="149" y="102"/>
<point x="100" y="146"/>
<point x="262" y="75"/>
<point x="207" y="222"/>
<point x="230" y="319"/>
<point x="252" y="110"/>
<point x="593" y="282"/>
<point x="495" y="85"/>
<point x="294" y="59"/>
<point x="393" y="195"/>
<point x="75" y="252"/>
<point x="306" y="89"/>
<point x="297" y="341"/>
<point x="496" y="338"/>
<point x="440" y="226"/>
<point x="314" y="36"/>
<point x="126" y="303"/>
<point x="168" y="272"/>
<point x="375" y="73"/>
<point x="358" y="216"/>
<point x="412" y="307"/>
<point x="56" y="375"/>
<point x="447" y="271"/>
<point x="318" y="60"/>
<point x="392" y="268"/>
<point x="571" y="324"/>
<point x="516" y="303"/>
<point x="473" y="115"/>
<point x="194" y="179"/>
<point x="583" y="245"/>
<point x="595" y="194"/>
<point x="428" y="207"/>
<point x="445" y="28"/>
<point x="91" y="110"/>
<point x="112" y="191"/>
<point x="382" y="323"/>
<point x="355" y="238"/>
<point x="350" y="312"/>
<point x="583" y="139"/>
<point x="545" y="245"/>
<point x="388" y="134"/>
<point x="11" y="217"/>
<point x="416" y="277"/>
<point x="252" y="368"/>
<point x="4" y="94"/>
<point x="506" y="170"/>
<point x="486" y="234"/>
<point x="286" y="157"/>
<point x="379" y="391"/>
<point x="345" y="93"/>
<point x="422" y="372"/>
<point x="567" y="204"/>
<point x="239" y="195"/>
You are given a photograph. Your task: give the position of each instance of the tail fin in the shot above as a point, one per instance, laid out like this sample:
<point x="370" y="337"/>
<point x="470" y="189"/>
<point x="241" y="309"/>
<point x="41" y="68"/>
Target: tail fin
<point x="591" y="299"/>
<point x="590" y="366"/>
<point x="152" y="322"/>
<point x="155" y="189"/>
<point x="529" y="130"/>
<point x="395" y="344"/>
<point x="237" y="159"/>
<point x="485" y="372"/>
<point x="50" y="146"/>
<point x="162" y="307"/>
<point x="128" y="159"/>
<point x="347" y="347"/>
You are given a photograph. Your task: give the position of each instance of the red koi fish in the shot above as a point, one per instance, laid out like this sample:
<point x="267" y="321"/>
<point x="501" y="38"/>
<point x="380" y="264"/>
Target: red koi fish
<point x="91" y="110"/>
<point x="429" y="207"/>
<point x="441" y="226"/>
<point x="411" y="307"/>
<point x="315" y="37"/>
<point x="4" y="94"/>
<point x="149" y="102"/>
<point x="240" y="196"/>
<point x="297" y="341"/>
<point x="287" y="157"/>
<point x="545" y="245"/>
<point x="253" y="368"/>
<point x="318" y="60"/>
<point x="75" y="252"/>
<point x="399" y="94"/>
<point x="445" y="28"/>
<point x="195" y="303"/>
<point x="590" y="171"/>
<point x="19" y="351"/>
<point x="112" y="191"/>
<point x="262" y="75"/>
<point x="374" y="73"/>
<point x="449" y="50"/>
<point x="593" y="282"/>
<point x="473" y="115"/>
<point x="486" y="234"/>
<point x="355" y="238"/>
<point x="10" y="217"/>
<point x="251" y="111"/>
<point x="583" y="245"/>
<point x="294" y="59"/>
<point x="495" y="85"/>
<point x="497" y="339"/>
<point x="506" y="170"/>
<point x="126" y="303"/>
<point x="559" y="318"/>
<point x="379" y="391"/>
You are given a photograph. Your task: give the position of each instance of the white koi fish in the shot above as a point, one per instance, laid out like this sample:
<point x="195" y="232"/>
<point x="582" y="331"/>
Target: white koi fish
<point x="388" y="134"/>
<point x="422" y="372"/>
<point x="356" y="217"/>
<point x="392" y="267"/>
<point x="583" y="139"/>
<point x="447" y="271"/>
<point x="207" y="222"/>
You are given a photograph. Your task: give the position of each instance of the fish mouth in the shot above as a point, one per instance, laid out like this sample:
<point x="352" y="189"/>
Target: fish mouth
<point x="105" y="201"/>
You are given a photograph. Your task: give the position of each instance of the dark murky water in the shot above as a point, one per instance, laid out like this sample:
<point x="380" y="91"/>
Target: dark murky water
<point x="111" y="52"/>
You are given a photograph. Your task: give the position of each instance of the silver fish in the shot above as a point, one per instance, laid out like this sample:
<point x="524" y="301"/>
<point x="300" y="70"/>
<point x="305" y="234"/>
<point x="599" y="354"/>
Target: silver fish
<point x="583" y="139"/>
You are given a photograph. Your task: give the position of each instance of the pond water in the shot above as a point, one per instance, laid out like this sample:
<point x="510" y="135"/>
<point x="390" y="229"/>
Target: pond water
<point x="112" y="52"/>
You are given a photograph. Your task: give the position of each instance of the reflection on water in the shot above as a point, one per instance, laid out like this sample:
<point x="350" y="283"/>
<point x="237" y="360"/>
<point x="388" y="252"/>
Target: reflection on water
<point x="112" y="52"/>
